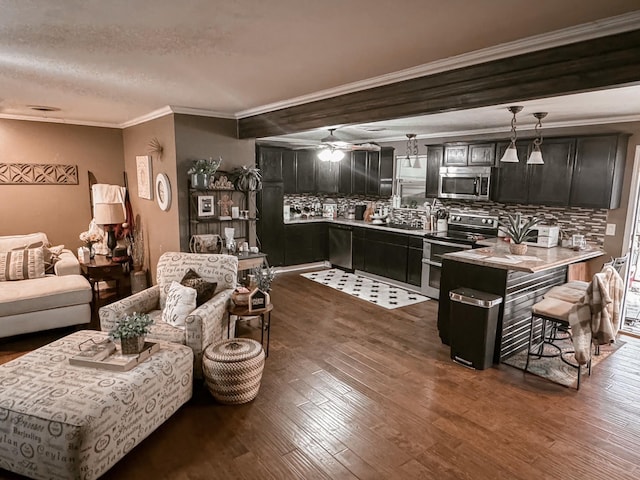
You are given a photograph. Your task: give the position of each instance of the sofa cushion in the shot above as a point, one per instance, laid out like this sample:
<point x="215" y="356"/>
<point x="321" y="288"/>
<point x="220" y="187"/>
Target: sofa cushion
<point x="43" y="293"/>
<point x="8" y="243"/>
<point x="22" y="264"/>
<point x="51" y="255"/>
<point x="181" y="301"/>
<point x="163" y="331"/>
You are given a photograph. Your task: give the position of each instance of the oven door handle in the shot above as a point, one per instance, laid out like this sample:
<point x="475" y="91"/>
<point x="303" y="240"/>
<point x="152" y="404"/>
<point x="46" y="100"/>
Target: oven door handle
<point x="432" y="263"/>
<point x="461" y="246"/>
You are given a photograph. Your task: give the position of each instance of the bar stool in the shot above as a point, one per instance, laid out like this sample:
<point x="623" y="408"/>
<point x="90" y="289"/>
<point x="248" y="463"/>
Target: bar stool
<point x="553" y="311"/>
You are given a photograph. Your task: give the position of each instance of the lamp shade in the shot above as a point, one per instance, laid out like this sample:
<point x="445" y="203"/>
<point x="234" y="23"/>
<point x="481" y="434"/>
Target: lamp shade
<point x="536" y="156"/>
<point x="510" y="154"/>
<point x="108" y="213"/>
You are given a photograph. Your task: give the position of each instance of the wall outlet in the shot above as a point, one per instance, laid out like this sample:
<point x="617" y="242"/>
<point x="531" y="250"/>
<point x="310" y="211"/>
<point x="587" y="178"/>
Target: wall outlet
<point x="611" y="229"/>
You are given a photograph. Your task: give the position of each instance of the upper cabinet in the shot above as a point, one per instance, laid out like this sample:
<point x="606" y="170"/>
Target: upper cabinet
<point x="306" y="171"/>
<point x="475" y="154"/>
<point x="598" y="173"/>
<point x="435" y="154"/>
<point x="577" y="172"/>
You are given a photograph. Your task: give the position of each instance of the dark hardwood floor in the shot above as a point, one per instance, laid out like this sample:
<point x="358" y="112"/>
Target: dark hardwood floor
<point x="355" y="391"/>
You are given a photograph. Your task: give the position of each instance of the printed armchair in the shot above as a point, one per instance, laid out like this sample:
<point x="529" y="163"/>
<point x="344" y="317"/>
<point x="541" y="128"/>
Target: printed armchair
<point x="205" y="325"/>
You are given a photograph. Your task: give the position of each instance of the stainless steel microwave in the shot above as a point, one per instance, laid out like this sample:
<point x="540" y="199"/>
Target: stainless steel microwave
<point x="466" y="183"/>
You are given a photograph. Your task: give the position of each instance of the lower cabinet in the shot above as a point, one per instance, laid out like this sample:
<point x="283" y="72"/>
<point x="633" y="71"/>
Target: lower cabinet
<point x="358" y="248"/>
<point x="414" y="261"/>
<point x="305" y="243"/>
<point x="385" y="254"/>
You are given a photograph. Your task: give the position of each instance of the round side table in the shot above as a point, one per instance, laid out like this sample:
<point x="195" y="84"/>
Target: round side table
<point x="265" y="320"/>
<point x="233" y="370"/>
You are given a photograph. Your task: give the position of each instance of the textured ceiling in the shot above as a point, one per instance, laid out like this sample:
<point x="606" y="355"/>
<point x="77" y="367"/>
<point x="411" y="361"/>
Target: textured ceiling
<point x="111" y="62"/>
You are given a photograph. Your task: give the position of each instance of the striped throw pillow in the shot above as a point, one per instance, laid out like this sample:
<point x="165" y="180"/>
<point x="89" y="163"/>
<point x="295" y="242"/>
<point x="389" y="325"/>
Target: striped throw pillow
<point x="22" y="264"/>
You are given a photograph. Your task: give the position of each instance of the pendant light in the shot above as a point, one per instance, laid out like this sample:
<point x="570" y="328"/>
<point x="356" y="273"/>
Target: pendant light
<point x="511" y="153"/>
<point x="412" y="148"/>
<point x="536" y="154"/>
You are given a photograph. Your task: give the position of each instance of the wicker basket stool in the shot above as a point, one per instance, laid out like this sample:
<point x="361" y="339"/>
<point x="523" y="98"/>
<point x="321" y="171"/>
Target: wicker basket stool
<point x="233" y="370"/>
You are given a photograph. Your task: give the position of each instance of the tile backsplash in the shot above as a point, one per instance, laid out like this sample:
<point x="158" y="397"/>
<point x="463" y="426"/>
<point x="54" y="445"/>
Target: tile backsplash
<point x="590" y="222"/>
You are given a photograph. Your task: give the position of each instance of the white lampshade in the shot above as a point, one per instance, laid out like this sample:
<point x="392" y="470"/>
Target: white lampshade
<point x="108" y="213"/>
<point x="510" y="154"/>
<point x="536" y="156"/>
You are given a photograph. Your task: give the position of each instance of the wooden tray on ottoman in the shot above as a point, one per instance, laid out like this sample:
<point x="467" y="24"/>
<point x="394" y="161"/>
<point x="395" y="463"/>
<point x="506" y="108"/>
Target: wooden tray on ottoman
<point x="116" y="360"/>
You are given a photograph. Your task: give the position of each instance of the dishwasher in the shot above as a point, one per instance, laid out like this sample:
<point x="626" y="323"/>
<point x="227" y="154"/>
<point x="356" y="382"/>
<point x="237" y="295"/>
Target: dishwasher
<point x="340" y="246"/>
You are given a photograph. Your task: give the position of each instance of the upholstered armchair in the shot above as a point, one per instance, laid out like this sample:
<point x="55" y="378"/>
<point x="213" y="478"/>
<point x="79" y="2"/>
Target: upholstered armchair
<point x="204" y="325"/>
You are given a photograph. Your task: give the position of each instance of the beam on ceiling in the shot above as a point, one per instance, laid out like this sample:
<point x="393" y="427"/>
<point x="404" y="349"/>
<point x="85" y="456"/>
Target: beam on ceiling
<point x="596" y="64"/>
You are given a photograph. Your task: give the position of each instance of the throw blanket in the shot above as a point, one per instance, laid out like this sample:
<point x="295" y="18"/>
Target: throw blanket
<point x="596" y="317"/>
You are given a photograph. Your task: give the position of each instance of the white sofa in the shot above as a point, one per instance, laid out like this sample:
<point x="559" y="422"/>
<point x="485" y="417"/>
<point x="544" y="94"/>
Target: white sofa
<point x="56" y="300"/>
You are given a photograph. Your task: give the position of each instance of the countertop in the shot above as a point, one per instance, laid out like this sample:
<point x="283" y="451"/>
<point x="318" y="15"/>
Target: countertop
<point x="355" y="223"/>
<point x="495" y="254"/>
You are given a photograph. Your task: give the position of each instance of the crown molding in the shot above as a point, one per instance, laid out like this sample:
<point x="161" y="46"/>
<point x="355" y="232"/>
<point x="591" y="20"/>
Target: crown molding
<point x="201" y="112"/>
<point x="147" y="117"/>
<point x="586" y="31"/>
<point x="30" y="118"/>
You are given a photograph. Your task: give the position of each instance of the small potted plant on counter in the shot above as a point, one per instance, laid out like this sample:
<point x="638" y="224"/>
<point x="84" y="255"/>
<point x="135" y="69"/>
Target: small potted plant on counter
<point x="518" y="231"/>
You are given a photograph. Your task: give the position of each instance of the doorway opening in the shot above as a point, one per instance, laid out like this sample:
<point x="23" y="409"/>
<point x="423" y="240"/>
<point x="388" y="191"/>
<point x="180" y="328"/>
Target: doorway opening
<point x="631" y="245"/>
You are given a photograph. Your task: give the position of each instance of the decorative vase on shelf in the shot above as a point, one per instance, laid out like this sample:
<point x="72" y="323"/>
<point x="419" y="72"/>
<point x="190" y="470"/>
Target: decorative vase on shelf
<point x="132" y="345"/>
<point x="200" y="181"/>
<point x="517" y="248"/>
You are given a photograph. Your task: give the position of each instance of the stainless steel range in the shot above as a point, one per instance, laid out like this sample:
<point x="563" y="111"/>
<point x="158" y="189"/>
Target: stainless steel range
<point x="463" y="233"/>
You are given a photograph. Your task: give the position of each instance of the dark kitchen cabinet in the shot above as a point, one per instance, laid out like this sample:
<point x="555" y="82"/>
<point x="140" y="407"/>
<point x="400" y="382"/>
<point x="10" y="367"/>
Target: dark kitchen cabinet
<point x="386" y="254"/>
<point x="271" y="224"/>
<point x="598" y="171"/>
<point x="305" y="243"/>
<point x="435" y="154"/>
<point x="270" y="163"/>
<point x="359" y="172"/>
<point x="289" y="171"/>
<point x="344" y="183"/>
<point x="327" y="176"/>
<point x="373" y="173"/>
<point x="414" y="261"/>
<point x="386" y="172"/>
<point x="550" y="184"/>
<point x="511" y="180"/>
<point x="473" y="155"/>
<point x="358" y="248"/>
<point x="305" y="171"/>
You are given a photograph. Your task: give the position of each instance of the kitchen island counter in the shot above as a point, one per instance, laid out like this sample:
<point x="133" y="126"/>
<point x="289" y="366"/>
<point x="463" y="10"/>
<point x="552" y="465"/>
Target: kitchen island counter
<point x="521" y="284"/>
<point x="495" y="254"/>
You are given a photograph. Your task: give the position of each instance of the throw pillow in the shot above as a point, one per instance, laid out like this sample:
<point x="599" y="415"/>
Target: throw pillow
<point x="205" y="289"/>
<point x="22" y="264"/>
<point x="181" y="301"/>
<point x="51" y="256"/>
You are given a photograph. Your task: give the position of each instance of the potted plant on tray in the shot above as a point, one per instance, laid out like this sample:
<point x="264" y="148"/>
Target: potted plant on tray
<point x="131" y="330"/>
<point x="202" y="170"/>
<point x="518" y="231"/>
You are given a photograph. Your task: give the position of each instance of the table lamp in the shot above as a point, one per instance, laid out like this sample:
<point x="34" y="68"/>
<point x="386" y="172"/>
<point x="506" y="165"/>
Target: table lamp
<point x="108" y="215"/>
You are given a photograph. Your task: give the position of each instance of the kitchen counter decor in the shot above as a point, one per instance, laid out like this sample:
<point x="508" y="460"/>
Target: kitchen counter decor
<point x="518" y="231"/>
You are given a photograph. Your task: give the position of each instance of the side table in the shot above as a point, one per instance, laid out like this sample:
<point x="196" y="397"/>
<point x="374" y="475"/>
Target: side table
<point x="102" y="269"/>
<point x="264" y="314"/>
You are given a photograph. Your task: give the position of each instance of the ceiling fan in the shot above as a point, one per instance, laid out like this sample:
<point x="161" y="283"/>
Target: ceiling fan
<point x="331" y="141"/>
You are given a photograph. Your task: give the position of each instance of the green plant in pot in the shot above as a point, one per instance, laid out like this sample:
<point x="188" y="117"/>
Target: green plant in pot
<point x="202" y="171"/>
<point x="246" y="179"/>
<point x="519" y="231"/>
<point x="131" y="330"/>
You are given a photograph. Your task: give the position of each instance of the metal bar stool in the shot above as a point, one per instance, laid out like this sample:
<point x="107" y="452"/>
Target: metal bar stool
<point x="553" y="312"/>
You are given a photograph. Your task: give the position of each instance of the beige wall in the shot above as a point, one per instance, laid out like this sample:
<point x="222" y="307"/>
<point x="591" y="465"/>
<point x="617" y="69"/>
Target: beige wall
<point x="204" y="137"/>
<point x="160" y="227"/>
<point x="61" y="211"/>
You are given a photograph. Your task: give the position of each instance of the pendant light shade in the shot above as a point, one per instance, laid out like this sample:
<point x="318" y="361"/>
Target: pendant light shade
<point x="511" y="153"/>
<point x="412" y="148"/>
<point x="330" y="155"/>
<point x="536" y="153"/>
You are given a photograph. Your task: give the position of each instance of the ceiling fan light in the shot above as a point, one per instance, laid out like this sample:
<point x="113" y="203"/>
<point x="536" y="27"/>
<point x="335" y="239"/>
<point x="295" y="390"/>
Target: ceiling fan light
<point x="325" y="154"/>
<point x="336" y="156"/>
<point x="536" y="156"/>
<point x="510" y="154"/>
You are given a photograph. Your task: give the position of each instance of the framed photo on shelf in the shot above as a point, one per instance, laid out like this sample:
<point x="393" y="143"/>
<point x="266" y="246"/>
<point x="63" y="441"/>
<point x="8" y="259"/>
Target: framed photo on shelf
<point x="206" y="206"/>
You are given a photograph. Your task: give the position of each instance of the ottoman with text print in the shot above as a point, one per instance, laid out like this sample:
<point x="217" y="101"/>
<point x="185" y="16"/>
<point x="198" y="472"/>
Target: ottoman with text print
<point x="64" y="421"/>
